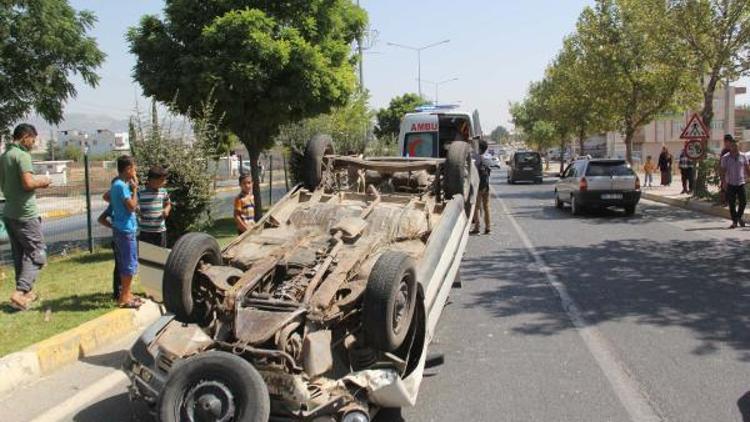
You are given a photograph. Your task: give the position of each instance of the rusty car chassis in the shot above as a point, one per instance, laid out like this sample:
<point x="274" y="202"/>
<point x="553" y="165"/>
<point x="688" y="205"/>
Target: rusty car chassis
<point x="323" y="311"/>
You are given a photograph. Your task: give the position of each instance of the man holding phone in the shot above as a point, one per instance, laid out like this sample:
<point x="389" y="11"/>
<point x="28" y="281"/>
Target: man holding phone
<point x="21" y="216"/>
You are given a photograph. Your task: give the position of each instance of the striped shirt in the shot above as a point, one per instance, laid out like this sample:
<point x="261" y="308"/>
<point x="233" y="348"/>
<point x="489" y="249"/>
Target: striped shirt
<point x="152" y="203"/>
<point x="244" y="206"/>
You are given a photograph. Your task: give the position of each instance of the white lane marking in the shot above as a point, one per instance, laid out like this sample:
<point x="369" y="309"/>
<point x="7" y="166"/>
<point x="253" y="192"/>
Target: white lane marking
<point x="628" y="390"/>
<point x="82" y="398"/>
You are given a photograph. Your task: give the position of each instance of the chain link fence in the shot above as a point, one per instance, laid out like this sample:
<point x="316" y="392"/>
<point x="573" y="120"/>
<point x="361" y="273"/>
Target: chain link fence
<point x="69" y="210"/>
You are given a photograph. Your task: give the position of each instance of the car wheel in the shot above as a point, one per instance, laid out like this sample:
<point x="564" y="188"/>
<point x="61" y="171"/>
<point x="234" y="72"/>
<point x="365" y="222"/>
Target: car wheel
<point x="457" y="170"/>
<point x="180" y="288"/>
<point x="389" y="301"/>
<point x="630" y="210"/>
<point x="575" y="208"/>
<point x="558" y="202"/>
<point x="317" y="147"/>
<point x="215" y="386"/>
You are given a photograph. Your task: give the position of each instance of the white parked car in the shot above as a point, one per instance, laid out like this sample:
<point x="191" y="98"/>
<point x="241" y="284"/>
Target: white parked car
<point x="598" y="183"/>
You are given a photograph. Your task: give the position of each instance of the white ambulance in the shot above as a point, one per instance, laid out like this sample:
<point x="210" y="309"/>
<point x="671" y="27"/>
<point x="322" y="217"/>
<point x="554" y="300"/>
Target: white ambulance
<point x="429" y="130"/>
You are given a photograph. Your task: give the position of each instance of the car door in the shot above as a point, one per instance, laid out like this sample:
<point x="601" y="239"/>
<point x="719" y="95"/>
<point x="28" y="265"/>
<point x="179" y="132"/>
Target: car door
<point x="566" y="183"/>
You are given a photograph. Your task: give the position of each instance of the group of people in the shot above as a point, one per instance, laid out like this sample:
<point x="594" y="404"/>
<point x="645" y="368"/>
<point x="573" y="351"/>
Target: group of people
<point x="664" y="165"/>
<point x="131" y="209"/>
<point x="134" y="213"/>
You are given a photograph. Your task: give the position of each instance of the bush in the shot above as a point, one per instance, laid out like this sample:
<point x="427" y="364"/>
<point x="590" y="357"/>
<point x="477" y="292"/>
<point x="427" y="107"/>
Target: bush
<point x="190" y="181"/>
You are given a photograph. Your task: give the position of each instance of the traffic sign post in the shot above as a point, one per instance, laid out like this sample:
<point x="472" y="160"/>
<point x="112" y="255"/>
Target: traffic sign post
<point x="696" y="135"/>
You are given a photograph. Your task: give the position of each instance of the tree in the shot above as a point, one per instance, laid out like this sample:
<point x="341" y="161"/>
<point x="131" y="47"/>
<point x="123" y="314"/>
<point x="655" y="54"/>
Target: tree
<point x="717" y="33"/>
<point x="43" y="43"/>
<point x="347" y="125"/>
<point x="573" y="102"/>
<point x="499" y="134"/>
<point x="264" y="63"/>
<point x="191" y="175"/>
<point x="389" y="119"/>
<point x="53" y="150"/>
<point x="637" y="61"/>
<point x="540" y="121"/>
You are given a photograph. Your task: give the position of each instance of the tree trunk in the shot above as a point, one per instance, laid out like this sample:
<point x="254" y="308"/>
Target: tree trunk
<point x="707" y="114"/>
<point x="255" y="174"/>
<point x="629" y="135"/>
<point x="562" y="155"/>
<point x="581" y="139"/>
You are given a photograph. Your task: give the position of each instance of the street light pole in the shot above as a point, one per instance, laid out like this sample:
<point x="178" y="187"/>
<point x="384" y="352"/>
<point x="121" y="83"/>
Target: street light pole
<point x="419" y="57"/>
<point x="437" y="86"/>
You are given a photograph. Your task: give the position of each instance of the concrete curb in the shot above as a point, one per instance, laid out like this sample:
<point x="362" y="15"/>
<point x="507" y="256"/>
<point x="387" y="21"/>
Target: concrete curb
<point x="689" y="204"/>
<point x="58" y="214"/>
<point x="53" y="353"/>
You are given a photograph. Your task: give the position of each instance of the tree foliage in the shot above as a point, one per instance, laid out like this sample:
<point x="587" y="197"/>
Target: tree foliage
<point x="717" y="34"/>
<point x="42" y="44"/>
<point x="637" y="61"/>
<point x="499" y="134"/>
<point x="265" y="63"/>
<point x="348" y="126"/>
<point x="389" y="119"/>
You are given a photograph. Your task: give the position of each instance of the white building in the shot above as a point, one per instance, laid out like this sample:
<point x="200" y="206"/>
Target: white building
<point x="102" y="142"/>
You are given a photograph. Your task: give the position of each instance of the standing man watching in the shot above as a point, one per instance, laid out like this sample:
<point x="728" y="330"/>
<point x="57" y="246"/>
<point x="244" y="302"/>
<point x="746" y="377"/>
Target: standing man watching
<point x="686" y="171"/>
<point x="484" y="167"/>
<point x="21" y="216"/>
<point x="735" y="169"/>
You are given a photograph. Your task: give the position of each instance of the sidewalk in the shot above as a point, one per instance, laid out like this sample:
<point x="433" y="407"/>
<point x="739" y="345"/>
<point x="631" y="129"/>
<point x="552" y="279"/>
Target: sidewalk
<point x="671" y="195"/>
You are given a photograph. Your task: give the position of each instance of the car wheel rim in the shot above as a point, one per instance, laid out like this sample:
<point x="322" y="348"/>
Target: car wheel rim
<point x="401" y="306"/>
<point x="209" y="401"/>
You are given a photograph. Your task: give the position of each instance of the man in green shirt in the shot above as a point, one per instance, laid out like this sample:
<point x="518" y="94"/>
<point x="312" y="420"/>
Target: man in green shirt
<point x="20" y="215"/>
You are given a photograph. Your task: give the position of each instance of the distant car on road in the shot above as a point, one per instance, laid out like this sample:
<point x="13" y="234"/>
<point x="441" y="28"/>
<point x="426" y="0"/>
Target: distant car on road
<point x="598" y="183"/>
<point x="495" y="161"/>
<point x="525" y="166"/>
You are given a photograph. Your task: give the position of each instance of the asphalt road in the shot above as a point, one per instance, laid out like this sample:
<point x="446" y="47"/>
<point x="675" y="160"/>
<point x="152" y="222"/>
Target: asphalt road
<point x="594" y="318"/>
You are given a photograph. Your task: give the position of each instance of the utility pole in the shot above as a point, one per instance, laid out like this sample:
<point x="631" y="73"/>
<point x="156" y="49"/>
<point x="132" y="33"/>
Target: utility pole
<point x="437" y="86"/>
<point x="360" y="58"/>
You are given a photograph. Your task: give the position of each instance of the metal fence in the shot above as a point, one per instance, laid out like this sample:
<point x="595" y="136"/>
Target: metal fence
<point x="70" y="207"/>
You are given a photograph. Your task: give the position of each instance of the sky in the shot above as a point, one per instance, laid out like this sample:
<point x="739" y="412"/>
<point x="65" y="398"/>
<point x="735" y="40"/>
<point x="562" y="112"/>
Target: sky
<point x="496" y="48"/>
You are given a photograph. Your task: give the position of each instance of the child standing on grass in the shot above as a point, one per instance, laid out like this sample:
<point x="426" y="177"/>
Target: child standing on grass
<point x="649" y="168"/>
<point x="124" y="201"/>
<point x="155" y="206"/>
<point x="244" y="205"/>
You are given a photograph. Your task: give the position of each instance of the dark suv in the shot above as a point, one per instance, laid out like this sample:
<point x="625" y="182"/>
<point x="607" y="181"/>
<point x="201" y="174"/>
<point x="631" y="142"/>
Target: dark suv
<point x="525" y="166"/>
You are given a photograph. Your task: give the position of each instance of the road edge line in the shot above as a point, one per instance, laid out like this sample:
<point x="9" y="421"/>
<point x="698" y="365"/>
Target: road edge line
<point x="629" y="391"/>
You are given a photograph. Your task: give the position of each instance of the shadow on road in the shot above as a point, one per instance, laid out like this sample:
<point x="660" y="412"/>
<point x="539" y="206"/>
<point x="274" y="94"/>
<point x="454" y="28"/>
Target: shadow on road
<point x="114" y="409"/>
<point x="699" y="285"/>
<point x="744" y="405"/>
<point x="107" y="360"/>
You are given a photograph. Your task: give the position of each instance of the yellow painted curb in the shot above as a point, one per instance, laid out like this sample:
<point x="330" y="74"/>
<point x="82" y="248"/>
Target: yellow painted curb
<point x="81" y="341"/>
<point x="57" y="214"/>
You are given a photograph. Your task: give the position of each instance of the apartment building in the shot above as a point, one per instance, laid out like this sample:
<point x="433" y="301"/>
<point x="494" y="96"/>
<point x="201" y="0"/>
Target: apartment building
<point x="666" y="130"/>
<point x="101" y="142"/>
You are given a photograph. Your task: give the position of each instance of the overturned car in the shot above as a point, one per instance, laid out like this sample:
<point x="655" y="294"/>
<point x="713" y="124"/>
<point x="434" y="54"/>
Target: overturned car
<point x="321" y="312"/>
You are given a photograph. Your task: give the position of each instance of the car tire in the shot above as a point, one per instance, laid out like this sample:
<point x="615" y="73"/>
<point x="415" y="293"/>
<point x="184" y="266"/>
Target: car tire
<point x="178" y="282"/>
<point x="558" y="203"/>
<point x="317" y="148"/>
<point x="575" y="207"/>
<point x="458" y="170"/>
<point x="630" y="210"/>
<point x="214" y="386"/>
<point x="389" y="301"/>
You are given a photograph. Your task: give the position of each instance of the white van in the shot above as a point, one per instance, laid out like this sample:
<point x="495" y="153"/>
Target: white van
<point x="430" y="129"/>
